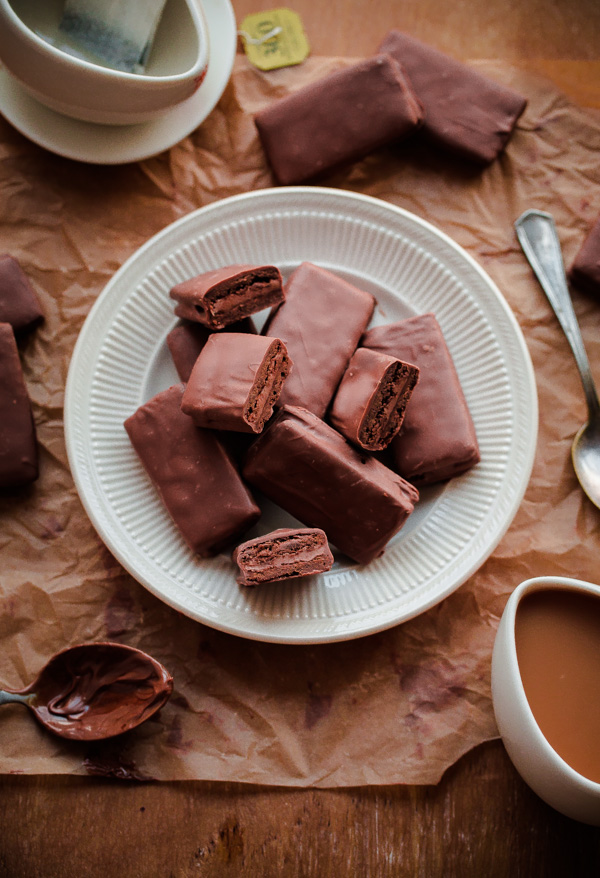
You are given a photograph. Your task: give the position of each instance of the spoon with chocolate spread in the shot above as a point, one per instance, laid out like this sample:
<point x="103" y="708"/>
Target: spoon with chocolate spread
<point x="537" y="235"/>
<point x="95" y="691"/>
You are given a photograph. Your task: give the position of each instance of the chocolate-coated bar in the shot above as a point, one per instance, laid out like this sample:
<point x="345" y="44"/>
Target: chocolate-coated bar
<point x="18" y="446"/>
<point x="585" y="270"/>
<point x="466" y="112"/>
<point x="19" y="304"/>
<point x="193" y="474"/>
<point x="186" y="340"/>
<point x="320" y="323"/>
<point x="338" y="119"/>
<point x="236" y="381"/>
<point x="369" y="406"/>
<point x="437" y="439"/>
<point x="224" y="296"/>
<point x="283" y="554"/>
<point x="311" y="471"/>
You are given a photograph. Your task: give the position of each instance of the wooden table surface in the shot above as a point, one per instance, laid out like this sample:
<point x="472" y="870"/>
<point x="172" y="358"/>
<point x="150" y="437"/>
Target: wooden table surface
<point x="481" y="820"/>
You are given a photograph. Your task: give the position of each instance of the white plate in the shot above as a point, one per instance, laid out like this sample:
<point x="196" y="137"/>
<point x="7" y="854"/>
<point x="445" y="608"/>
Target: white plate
<point x="118" y="144"/>
<point x="121" y="360"/>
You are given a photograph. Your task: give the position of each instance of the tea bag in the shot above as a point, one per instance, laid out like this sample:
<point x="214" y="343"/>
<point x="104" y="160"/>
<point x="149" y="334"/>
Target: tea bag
<point x="116" y="33"/>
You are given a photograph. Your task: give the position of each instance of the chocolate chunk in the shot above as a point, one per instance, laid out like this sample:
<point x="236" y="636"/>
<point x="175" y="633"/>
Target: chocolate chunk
<point x="19" y="304"/>
<point x="311" y="471"/>
<point x="320" y="323"/>
<point x="338" y="119"/>
<point x="18" y="447"/>
<point x="186" y="340"/>
<point x="437" y="439"/>
<point x="283" y="554"/>
<point x="466" y="112"/>
<point x="226" y="295"/>
<point x="236" y="382"/>
<point x="369" y="406"/>
<point x="193" y="474"/>
<point x="585" y="271"/>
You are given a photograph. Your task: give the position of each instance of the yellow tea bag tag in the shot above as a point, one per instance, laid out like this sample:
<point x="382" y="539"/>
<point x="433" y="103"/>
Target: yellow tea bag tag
<point x="274" y="38"/>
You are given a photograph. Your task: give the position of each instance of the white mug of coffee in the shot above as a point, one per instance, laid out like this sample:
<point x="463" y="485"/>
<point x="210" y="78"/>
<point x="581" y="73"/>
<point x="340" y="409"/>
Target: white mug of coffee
<point x="546" y="686"/>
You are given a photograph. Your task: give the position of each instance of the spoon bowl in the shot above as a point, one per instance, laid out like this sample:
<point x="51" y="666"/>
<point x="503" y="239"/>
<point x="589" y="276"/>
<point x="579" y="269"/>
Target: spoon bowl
<point x="586" y="459"/>
<point x="538" y="237"/>
<point x="94" y="691"/>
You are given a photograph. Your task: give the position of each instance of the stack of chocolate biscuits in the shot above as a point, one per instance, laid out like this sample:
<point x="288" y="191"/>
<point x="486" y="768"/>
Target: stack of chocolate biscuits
<point x="317" y="394"/>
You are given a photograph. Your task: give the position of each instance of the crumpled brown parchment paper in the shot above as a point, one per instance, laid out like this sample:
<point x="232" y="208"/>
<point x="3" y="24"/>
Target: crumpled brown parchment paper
<point x="396" y="707"/>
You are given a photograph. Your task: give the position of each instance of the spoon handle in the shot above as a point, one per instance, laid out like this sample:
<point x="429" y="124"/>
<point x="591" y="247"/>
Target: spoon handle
<point x="8" y="697"/>
<point x="538" y="237"/>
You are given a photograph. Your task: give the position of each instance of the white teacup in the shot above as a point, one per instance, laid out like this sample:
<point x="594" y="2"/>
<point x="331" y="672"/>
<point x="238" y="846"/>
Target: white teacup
<point x="538" y="763"/>
<point x="30" y="50"/>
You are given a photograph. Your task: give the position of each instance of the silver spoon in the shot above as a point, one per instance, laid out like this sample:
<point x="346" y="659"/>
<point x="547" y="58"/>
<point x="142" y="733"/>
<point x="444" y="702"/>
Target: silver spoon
<point x="537" y="235"/>
<point x="95" y="690"/>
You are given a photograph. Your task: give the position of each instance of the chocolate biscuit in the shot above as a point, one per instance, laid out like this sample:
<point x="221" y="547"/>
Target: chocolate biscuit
<point x="311" y="471"/>
<point x="283" y="554"/>
<point x="18" y="446"/>
<point x="320" y="323"/>
<point x="221" y="297"/>
<point x="338" y="120"/>
<point x="585" y="270"/>
<point x="369" y="406"/>
<point x="437" y="439"/>
<point x="193" y="474"/>
<point x="236" y="381"/>
<point x="465" y="112"/>
<point x="19" y="304"/>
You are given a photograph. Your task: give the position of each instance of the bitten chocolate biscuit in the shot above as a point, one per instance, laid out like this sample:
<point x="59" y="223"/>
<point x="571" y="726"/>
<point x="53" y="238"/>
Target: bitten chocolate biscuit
<point x="311" y="471"/>
<point x="585" y="271"/>
<point x="186" y="340"/>
<point x="465" y="112"/>
<point x="338" y="119"/>
<point x="19" y="304"/>
<point x="18" y="446"/>
<point x="193" y="474"/>
<point x="369" y="406"/>
<point x="283" y="554"/>
<point x="236" y="381"/>
<point x="437" y="439"/>
<point x="320" y="323"/>
<point x="226" y="295"/>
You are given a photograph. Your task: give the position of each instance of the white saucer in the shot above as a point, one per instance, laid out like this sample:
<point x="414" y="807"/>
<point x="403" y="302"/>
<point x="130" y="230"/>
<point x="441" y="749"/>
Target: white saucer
<point x="118" y="144"/>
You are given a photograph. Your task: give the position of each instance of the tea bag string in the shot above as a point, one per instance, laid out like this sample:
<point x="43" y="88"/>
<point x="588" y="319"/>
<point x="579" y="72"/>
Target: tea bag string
<point x="258" y="41"/>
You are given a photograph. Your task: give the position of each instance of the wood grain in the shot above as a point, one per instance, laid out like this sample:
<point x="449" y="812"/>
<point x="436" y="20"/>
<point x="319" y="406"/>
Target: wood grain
<point x="481" y="820"/>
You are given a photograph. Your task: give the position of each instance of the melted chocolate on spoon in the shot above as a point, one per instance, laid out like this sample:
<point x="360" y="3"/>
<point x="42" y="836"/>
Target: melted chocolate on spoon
<point x="95" y="691"/>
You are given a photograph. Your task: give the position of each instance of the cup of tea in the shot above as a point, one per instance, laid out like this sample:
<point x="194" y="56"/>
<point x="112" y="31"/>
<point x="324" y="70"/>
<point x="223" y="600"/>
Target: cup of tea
<point x="52" y="67"/>
<point x="546" y="691"/>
